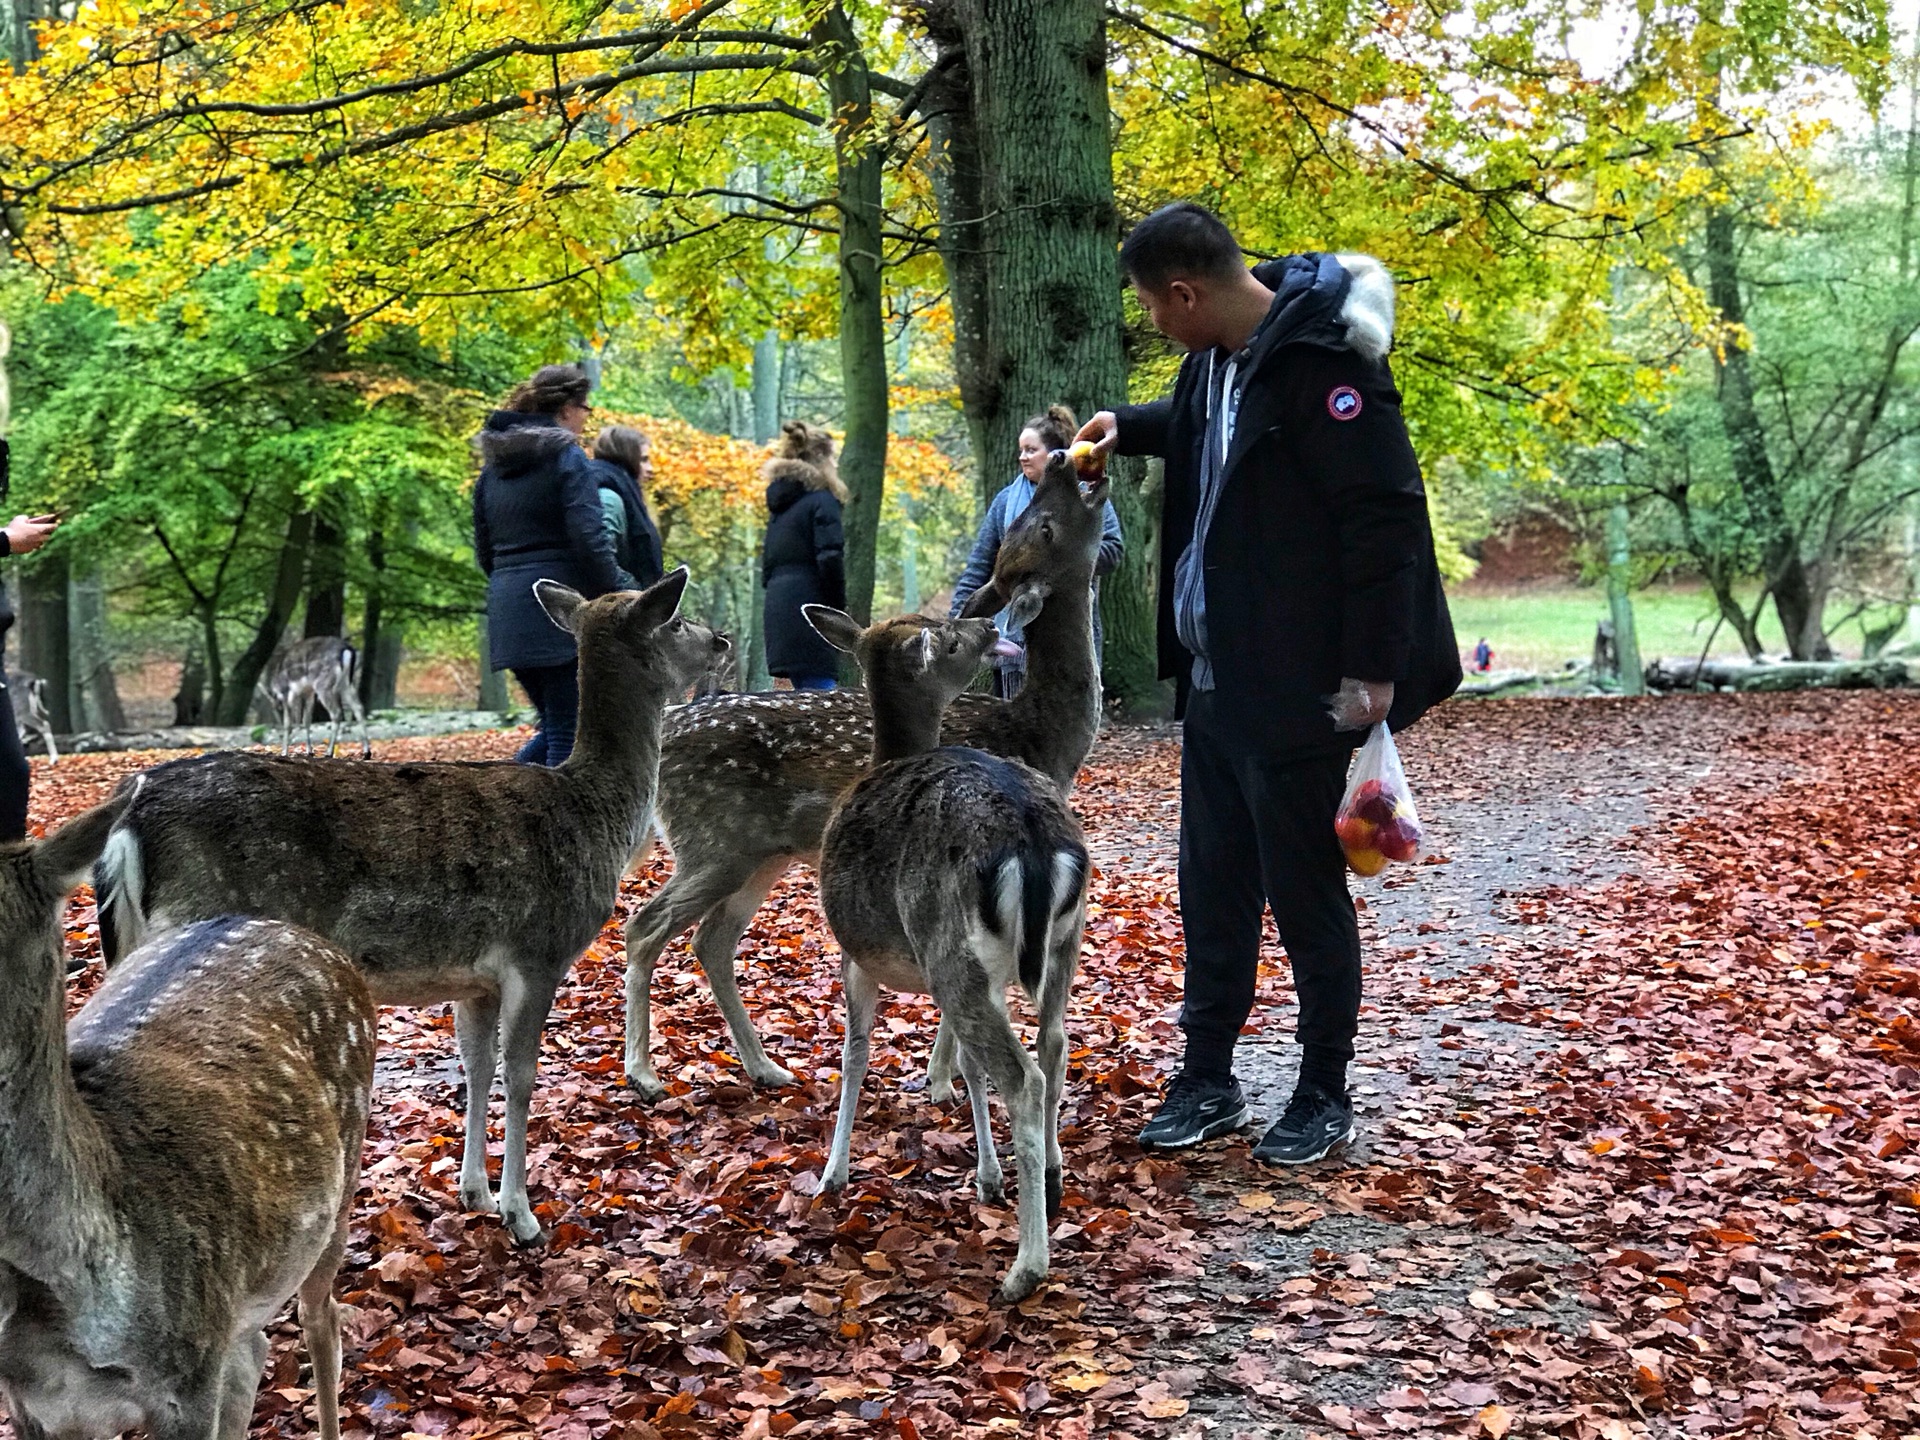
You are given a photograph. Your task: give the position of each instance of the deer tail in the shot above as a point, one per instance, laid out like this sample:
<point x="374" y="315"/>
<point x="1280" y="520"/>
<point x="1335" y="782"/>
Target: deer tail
<point x="119" y="885"/>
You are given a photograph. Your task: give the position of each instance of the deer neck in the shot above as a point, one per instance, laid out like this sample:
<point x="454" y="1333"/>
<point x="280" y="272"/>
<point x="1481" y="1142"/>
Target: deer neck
<point x="617" y="740"/>
<point x="1062" y="690"/>
<point x="52" y="1150"/>
<point x="905" y="723"/>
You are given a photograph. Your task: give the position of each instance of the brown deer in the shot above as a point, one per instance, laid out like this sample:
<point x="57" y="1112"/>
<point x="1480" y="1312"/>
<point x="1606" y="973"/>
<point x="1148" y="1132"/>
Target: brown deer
<point x="747" y="781"/>
<point x="475" y="883"/>
<point x="323" y="669"/>
<point x="174" y="1162"/>
<point x="954" y="873"/>
<point x="27" y="693"/>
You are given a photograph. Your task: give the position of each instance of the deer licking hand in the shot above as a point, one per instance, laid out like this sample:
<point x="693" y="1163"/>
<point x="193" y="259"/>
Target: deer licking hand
<point x="958" y="874"/>
<point x="174" y="1163"/>
<point x="475" y="883"/>
<point x="747" y="781"/>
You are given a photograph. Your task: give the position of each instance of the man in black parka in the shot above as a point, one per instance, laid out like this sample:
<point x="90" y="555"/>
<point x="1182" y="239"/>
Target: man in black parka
<point x="1300" y="603"/>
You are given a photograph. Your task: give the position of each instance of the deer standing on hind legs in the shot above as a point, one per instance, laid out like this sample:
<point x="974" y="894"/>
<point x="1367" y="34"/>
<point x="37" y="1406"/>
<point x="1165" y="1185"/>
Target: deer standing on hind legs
<point x="955" y="873"/>
<point x="747" y="781"/>
<point x="475" y="883"/>
<point x="174" y="1163"/>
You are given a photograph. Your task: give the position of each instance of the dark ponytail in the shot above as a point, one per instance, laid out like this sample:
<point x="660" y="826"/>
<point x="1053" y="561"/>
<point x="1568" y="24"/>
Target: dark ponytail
<point x="551" y="390"/>
<point x="1056" y="428"/>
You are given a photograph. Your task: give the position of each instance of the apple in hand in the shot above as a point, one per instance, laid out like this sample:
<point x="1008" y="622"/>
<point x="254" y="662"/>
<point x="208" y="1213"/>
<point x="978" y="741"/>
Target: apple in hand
<point x="1084" y="460"/>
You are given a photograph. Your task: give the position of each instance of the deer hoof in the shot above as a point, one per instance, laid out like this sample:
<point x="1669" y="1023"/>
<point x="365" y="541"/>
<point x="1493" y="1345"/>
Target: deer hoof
<point x="832" y="1184"/>
<point x="646" y="1085"/>
<point x="772" y="1077"/>
<point x="990" y="1191"/>
<point x="525" y="1229"/>
<point x="1021" y="1282"/>
<point x="477" y="1196"/>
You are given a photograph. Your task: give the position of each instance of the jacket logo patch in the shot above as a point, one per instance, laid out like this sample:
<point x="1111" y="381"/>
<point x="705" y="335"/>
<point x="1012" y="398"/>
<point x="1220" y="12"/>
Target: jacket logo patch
<point x="1343" y="402"/>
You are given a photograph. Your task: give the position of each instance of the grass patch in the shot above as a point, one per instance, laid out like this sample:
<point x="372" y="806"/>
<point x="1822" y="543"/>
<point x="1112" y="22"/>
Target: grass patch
<point x="1540" y="628"/>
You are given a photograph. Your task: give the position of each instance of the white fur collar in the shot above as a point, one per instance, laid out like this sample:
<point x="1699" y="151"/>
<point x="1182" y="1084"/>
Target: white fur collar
<point x="1368" y="312"/>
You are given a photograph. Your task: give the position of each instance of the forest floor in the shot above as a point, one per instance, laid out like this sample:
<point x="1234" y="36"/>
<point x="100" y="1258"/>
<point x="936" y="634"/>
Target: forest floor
<point x="1638" y="1082"/>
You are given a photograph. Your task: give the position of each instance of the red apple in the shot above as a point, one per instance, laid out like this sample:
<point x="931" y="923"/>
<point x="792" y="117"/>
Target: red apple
<point x="1355" y="833"/>
<point x="1399" y="838"/>
<point x="1372" y="801"/>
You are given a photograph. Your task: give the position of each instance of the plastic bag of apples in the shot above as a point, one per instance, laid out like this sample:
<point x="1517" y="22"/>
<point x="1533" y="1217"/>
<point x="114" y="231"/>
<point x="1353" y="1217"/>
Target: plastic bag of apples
<point x="1377" y="822"/>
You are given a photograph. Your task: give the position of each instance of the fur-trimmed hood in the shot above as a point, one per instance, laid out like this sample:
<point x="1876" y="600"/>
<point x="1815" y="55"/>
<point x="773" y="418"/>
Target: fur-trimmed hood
<point x="803" y="460"/>
<point x="1344" y="302"/>
<point x="513" y="443"/>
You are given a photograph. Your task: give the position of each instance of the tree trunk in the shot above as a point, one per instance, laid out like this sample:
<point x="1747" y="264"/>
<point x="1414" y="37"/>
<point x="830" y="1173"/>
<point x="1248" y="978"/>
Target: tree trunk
<point x="46" y="643"/>
<point x="380" y="640"/>
<point x="1050" y="232"/>
<point x="96" y="696"/>
<point x="1626" y="640"/>
<point x="190" y="699"/>
<point x="326" y="580"/>
<point x="236" y="691"/>
<point x="863" y="335"/>
<point x="957" y="181"/>
<point x="1752" y="464"/>
<point x="493" y="683"/>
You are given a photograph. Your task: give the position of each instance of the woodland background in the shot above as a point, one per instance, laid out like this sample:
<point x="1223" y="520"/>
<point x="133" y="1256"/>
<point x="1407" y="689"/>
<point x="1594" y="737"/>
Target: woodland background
<point x="270" y="263"/>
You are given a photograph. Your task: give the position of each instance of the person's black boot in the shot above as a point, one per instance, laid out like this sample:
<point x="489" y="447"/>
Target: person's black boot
<point x="1196" y="1108"/>
<point x="1314" y="1125"/>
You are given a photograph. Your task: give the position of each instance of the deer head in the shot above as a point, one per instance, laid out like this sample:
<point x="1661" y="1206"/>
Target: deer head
<point x="636" y="627"/>
<point x="913" y="666"/>
<point x="1053" y="542"/>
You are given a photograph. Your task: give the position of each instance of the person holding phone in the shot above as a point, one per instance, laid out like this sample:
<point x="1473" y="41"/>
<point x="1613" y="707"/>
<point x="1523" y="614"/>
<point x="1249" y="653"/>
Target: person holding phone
<point x="23" y="535"/>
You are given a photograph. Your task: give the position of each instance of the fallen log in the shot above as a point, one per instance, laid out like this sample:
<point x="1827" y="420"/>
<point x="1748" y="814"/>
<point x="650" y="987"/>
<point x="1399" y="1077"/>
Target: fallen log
<point x="1752" y="676"/>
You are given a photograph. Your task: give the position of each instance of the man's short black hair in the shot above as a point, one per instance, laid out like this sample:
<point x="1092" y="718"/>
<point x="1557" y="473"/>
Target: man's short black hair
<point x="1182" y="241"/>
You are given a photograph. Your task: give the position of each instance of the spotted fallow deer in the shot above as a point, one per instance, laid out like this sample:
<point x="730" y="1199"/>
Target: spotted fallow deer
<point x="174" y="1162"/>
<point x="953" y="873"/>
<point x="475" y="883"/>
<point x="747" y="781"/>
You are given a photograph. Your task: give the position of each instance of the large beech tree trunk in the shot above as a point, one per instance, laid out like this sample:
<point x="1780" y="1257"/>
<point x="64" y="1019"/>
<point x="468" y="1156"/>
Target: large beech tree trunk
<point x="236" y="689"/>
<point x="1049" y="233"/>
<point x="863" y="334"/>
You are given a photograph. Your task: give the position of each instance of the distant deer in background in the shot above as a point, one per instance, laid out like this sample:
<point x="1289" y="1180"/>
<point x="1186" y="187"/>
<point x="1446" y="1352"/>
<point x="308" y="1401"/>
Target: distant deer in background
<point x="322" y="668"/>
<point x="956" y="874"/>
<point x="29" y="695"/>
<point x="478" y="883"/>
<point x="174" y="1162"/>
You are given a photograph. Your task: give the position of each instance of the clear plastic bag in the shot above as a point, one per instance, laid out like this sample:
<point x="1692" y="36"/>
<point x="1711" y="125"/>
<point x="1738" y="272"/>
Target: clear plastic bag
<point x="1377" y="822"/>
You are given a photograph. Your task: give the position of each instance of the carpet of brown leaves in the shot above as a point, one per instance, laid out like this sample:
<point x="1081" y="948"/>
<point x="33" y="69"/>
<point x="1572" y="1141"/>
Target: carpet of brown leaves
<point x="1638" y="1153"/>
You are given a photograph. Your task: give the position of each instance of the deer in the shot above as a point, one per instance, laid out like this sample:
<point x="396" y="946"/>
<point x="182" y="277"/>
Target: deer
<point x="747" y="781"/>
<point x="478" y="883"/>
<point x="28" y="693"/>
<point x="950" y="872"/>
<point x="175" y="1162"/>
<point x="323" y="668"/>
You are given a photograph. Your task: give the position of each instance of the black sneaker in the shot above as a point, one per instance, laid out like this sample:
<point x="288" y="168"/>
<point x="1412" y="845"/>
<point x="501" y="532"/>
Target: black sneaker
<point x="1196" y="1109"/>
<point x="1315" y="1123"/>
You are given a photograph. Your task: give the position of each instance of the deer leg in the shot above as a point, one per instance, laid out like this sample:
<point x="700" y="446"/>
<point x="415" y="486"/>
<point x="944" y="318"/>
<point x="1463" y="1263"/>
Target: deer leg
<point x="240" y="1385"/>
<point x="286" y="719"/>
<point x="333" y="736"/>
<point x="862" y="993"/>
<point x="320" y="1322"/>
<point x="989" y="1181"/>
<point x="524" y="1007"/>
<point x="940" y="1066"/>
<point x="987" y="1033"/>
<point x="716" y="944"/>
<point x="476" y="1024"/>
<point x="675" y="906"/>
<point x="360" y="714"/>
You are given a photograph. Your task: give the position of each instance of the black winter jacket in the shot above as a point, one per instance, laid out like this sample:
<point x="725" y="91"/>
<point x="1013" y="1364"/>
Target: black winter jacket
<point x="1319" y="563"/>
<point x="536" y="516"/>
<point x="639" y="554"/>
<point x="801" y="563"/>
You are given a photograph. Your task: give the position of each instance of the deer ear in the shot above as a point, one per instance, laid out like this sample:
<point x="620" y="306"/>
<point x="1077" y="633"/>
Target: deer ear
<point x="562" y="604"/>
<point x="989" y="599"/>
<point x="659" y="601"/>
<point x="66" y="857"/>
<point x="836" y="627"/>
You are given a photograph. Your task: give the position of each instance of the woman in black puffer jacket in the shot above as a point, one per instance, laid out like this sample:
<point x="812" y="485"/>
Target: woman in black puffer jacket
<point x="537" y="516"/>
<point x="802" y="560"/>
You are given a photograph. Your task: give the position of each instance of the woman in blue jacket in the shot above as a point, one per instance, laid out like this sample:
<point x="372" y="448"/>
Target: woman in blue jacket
<point x="1040" y="436"/>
